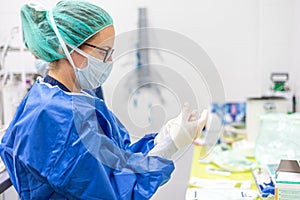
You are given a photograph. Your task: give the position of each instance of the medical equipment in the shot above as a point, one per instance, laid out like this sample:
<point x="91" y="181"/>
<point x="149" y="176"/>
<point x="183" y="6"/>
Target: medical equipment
<point x="145" y="78"/>
<point x="280" y="88"/>
<point x="287" y="180"/>
<point x="264" y="182"/>
<point x="16" y="75"/>
<point x="260" y="106"/>
<point x="229" y="159"/>
<point x="278" y="138"/>
<point x="95" y="73"/>
<point x="279" y="81"/>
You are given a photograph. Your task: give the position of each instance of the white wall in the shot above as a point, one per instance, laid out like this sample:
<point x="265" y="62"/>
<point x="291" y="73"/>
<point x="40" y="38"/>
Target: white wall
<point x="280" y="42"/>
<point x="9" y="18"/>
<point x="245" y="44"/>
<point x="295" y="70"/>
<point x="277" y="32"/>
<point x="227" y="30"/>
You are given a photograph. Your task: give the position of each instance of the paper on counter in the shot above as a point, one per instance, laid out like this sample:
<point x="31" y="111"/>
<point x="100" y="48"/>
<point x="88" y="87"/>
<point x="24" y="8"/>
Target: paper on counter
<point x="219" y="184"/>
<point x="220" y="194"/>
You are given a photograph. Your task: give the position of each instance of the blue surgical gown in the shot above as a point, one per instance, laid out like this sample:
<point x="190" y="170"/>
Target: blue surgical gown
<point x="63" y="145"/>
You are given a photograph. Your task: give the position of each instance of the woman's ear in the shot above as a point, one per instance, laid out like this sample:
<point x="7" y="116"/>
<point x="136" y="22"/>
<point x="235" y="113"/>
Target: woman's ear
<point x="35" y="56"/>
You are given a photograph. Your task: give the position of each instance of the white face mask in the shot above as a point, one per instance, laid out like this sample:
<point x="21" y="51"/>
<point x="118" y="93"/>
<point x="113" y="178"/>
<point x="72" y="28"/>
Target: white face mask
<point x="42" y="67"/>
<point x="94" y="74"/>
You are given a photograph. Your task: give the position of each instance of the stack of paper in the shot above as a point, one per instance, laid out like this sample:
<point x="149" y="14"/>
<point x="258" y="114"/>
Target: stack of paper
<point x="219" y="189"/>
<point x="288" y="180"/>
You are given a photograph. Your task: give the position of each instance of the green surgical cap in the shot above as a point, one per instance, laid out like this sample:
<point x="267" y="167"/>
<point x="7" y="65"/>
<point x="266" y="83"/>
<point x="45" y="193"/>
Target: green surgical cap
<point x="76" y="20"/>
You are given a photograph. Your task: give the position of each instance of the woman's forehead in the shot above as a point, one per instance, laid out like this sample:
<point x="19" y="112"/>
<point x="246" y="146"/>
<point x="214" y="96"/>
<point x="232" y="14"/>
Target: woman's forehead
<point x="104" y="37"/>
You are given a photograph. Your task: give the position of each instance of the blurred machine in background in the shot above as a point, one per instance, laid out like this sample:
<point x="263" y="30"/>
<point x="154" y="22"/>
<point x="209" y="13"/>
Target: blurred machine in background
<point x="281" y="88"/>
<point x="260" y="106"/>
<point x="277" y="99"/>
<point x="17" y="73"/>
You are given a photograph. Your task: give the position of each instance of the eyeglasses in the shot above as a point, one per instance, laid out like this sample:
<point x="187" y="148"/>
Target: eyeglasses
<point x="108" y="52"/>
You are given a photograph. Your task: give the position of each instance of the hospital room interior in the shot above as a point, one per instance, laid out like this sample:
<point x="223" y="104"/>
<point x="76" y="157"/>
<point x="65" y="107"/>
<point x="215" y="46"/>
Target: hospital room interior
<point x="235" y="60"/>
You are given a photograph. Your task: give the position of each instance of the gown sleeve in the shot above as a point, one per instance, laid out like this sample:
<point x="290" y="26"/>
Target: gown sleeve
<point x="143" y="145"/>
<point x="98" y="161"/>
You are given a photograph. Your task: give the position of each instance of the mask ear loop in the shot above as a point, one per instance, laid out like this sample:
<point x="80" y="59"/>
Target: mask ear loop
<point x="61" y="41"/>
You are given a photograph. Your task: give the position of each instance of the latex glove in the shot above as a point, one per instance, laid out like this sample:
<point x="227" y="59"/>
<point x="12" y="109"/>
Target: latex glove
<point x="165" y="148"/>
<point x="165" y="130"/>
<point x="186" y="127"/>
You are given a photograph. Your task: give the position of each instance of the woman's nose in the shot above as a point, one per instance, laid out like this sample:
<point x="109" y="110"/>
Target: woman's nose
<point x="110" y="58"/>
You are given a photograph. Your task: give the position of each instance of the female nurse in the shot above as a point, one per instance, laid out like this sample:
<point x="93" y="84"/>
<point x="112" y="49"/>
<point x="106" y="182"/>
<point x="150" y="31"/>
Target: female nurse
<point x="63" y="142"/>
